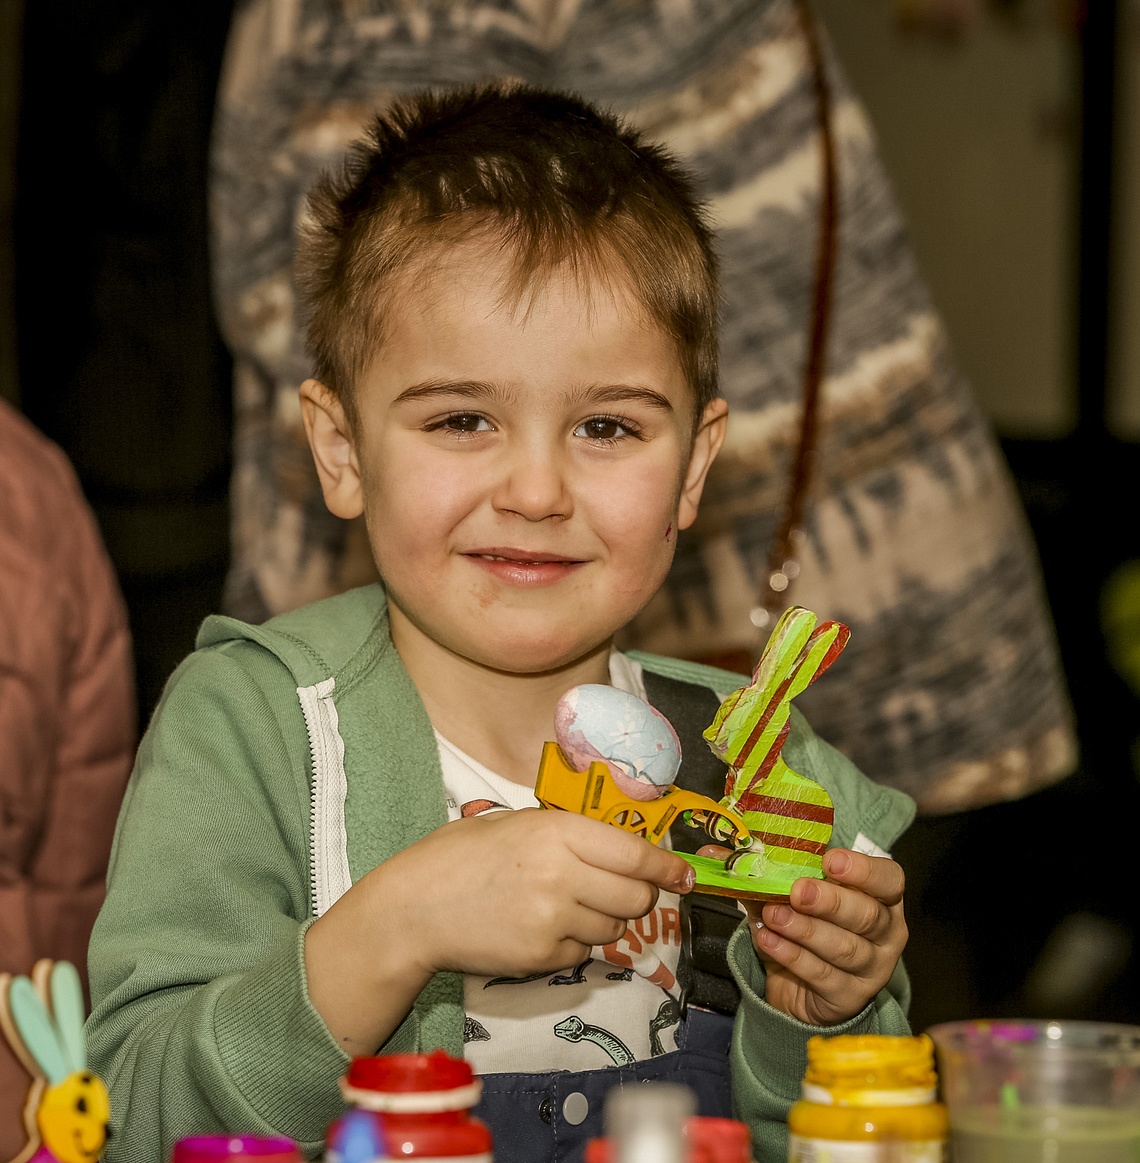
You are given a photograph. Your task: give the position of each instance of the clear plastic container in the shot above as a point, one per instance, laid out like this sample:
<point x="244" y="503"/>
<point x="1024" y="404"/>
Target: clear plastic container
<point x="868" y="1099"/>
<point x="1024" y="1091"/>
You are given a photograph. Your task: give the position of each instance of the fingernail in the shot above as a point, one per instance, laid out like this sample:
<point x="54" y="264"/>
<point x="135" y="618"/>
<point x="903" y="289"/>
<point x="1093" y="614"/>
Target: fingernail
<point x="780" y="915"/>
<point x="809" y="894"/>
<point x="688" y="879"/>
<point x="838" y="863"/>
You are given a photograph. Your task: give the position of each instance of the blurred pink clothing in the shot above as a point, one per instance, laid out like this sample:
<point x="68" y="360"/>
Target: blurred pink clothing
<point x="67" y="717"/>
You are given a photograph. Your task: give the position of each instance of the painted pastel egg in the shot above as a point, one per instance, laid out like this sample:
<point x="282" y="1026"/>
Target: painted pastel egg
<point x="635" y="741"/>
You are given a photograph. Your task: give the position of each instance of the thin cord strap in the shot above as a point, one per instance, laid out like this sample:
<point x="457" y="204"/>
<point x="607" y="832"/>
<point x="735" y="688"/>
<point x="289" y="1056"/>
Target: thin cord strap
<point x="782" y="552"/>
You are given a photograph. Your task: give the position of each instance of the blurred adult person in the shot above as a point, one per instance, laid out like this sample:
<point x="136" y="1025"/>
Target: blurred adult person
<point x="912" y="533"/>
<point x="67" y="720"/>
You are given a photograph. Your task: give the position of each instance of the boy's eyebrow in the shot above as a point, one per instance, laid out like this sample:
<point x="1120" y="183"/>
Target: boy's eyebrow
<point x="622" y="394"/>
<point x="589" y="394"/>
<point x="471" y="389"/>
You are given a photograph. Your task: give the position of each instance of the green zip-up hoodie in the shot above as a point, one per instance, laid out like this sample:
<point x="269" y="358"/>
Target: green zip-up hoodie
<point x="284" y="762"/>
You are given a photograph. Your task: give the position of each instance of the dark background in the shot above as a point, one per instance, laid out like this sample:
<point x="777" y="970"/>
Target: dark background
<point x="118" y="357"/>
<point x="110" y="347"/>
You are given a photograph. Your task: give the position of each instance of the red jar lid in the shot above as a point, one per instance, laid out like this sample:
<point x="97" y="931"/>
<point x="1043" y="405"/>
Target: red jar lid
<point x="411" y="1083"/>
<point x="720" y="1140"/>
<point x="397" y="1073"/>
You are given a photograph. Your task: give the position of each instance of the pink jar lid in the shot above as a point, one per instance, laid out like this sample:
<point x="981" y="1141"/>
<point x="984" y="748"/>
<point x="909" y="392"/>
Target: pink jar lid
<point x="232" y="1148"/>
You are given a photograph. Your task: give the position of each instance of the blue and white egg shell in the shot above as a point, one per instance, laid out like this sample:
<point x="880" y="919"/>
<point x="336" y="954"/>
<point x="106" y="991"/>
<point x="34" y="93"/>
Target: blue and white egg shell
<point x="635" y="741"/>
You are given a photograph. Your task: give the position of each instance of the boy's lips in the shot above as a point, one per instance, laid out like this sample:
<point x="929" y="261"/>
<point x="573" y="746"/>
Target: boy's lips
<point x="523" y="567"/>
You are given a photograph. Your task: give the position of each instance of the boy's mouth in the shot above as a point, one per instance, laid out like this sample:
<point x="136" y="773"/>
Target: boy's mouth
<point x="523" y="556"/>
<point x="523" y="566"/>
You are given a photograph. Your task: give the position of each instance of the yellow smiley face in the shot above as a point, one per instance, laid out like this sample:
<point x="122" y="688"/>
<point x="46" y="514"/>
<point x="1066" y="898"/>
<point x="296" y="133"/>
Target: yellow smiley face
<point x="73" y="1118"/>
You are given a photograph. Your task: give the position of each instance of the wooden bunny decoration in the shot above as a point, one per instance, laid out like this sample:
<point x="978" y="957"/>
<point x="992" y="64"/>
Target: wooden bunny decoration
<point x="68" y="1109"/>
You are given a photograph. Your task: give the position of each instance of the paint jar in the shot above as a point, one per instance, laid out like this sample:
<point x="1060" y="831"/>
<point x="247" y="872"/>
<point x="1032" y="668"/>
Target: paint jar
<point x="645" y="1123"/>
<point x="235" y="1149"/>
<point x="707" y="1140"/>
<point x="868" y="1099"/>
<point x="420" y="1105"/>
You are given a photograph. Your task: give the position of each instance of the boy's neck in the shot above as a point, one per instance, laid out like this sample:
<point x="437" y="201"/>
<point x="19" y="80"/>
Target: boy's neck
<point x="497" y="717"/>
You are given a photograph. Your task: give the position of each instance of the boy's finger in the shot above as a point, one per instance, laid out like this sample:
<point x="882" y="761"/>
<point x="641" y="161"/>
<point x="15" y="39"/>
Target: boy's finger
<point x="832" y="944"/>
<point x="607" y="847"/>
<point x="571" y="951"/>
<point x="849" y="909"/>
<point x="714" y="851"/>
<point x="830" y="982"/>
<point x="878" y="876"/>
<point x="621" y="897"/>
<point x="589" y="928"/>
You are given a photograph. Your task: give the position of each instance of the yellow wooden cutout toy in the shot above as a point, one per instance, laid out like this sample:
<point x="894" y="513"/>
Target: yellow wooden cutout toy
<point x="594" y="793"/>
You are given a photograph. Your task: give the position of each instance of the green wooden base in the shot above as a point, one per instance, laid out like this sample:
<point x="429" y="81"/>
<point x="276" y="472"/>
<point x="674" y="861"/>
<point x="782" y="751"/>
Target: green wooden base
<point x="774" y="885"/>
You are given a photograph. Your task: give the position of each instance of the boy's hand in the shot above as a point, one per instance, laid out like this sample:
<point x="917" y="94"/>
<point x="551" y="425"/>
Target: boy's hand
<point x="505" y="894"/>
<point x="515" y="893"/>
<point x="830" y="950"/>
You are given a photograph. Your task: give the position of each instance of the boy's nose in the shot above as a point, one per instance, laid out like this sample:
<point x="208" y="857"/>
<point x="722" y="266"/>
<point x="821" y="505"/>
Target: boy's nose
<point x="534" y="487"/>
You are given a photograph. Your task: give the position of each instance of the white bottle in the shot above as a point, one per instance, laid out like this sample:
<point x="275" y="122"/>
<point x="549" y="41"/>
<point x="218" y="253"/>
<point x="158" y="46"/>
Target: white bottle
<point x="645" y="1121"/>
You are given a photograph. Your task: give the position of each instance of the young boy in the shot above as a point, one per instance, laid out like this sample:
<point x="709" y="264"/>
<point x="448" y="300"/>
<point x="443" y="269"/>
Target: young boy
<point x="513" y="321"/>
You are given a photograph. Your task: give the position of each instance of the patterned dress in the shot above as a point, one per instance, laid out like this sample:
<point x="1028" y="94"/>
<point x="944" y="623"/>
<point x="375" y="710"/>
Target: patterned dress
<point x="951" y="687"/>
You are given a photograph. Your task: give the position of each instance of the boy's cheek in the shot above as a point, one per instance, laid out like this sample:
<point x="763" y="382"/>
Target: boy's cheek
<point x="420" y="505"/>
<point x="643" y="509"/>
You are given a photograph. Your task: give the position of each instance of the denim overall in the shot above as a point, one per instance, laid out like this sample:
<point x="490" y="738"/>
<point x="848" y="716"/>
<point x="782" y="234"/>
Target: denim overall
<point x="548" y="1118"/>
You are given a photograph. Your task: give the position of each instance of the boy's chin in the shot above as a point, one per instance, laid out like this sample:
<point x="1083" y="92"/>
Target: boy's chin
<point x="522" y="654"/>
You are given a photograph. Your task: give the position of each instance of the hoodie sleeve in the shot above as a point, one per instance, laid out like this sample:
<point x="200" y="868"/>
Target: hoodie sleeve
<point x="201" y="1020"/>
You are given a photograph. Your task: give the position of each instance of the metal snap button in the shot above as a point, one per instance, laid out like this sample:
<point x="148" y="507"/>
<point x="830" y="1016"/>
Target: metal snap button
<point x="546" y="1110"/>
<point x="575" y="1108"/>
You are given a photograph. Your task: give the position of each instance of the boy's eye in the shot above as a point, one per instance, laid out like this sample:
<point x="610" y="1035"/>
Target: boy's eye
<point x="462" y="423"/>
<point x="604" y="428"/>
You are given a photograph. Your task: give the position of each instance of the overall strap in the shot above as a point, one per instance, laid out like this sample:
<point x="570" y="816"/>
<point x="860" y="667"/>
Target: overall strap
<point x="709" y="920"/>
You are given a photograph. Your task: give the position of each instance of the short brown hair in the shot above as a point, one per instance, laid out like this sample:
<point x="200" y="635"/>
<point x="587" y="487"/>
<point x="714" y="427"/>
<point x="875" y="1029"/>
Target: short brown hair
<point x="546" y="175"/>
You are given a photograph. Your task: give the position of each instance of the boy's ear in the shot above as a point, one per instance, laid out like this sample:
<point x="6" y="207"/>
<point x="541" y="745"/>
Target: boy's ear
<point x="706" y="444"/>
<point x="334" y="451"/>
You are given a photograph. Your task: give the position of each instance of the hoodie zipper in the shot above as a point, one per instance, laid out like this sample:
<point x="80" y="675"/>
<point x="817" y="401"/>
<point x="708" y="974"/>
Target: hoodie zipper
<point x="328" y="841"/>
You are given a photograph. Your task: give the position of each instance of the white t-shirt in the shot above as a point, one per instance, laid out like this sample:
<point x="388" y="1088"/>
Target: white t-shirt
<point x="618" y="1006"/>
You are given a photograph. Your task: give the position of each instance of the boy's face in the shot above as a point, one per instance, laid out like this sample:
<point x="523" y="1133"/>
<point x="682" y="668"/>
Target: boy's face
<point x="523" y="470"/>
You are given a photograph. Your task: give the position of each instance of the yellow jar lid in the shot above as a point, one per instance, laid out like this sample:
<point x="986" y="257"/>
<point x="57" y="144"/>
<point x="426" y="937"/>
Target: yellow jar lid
<point x="863" y="1069"/>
